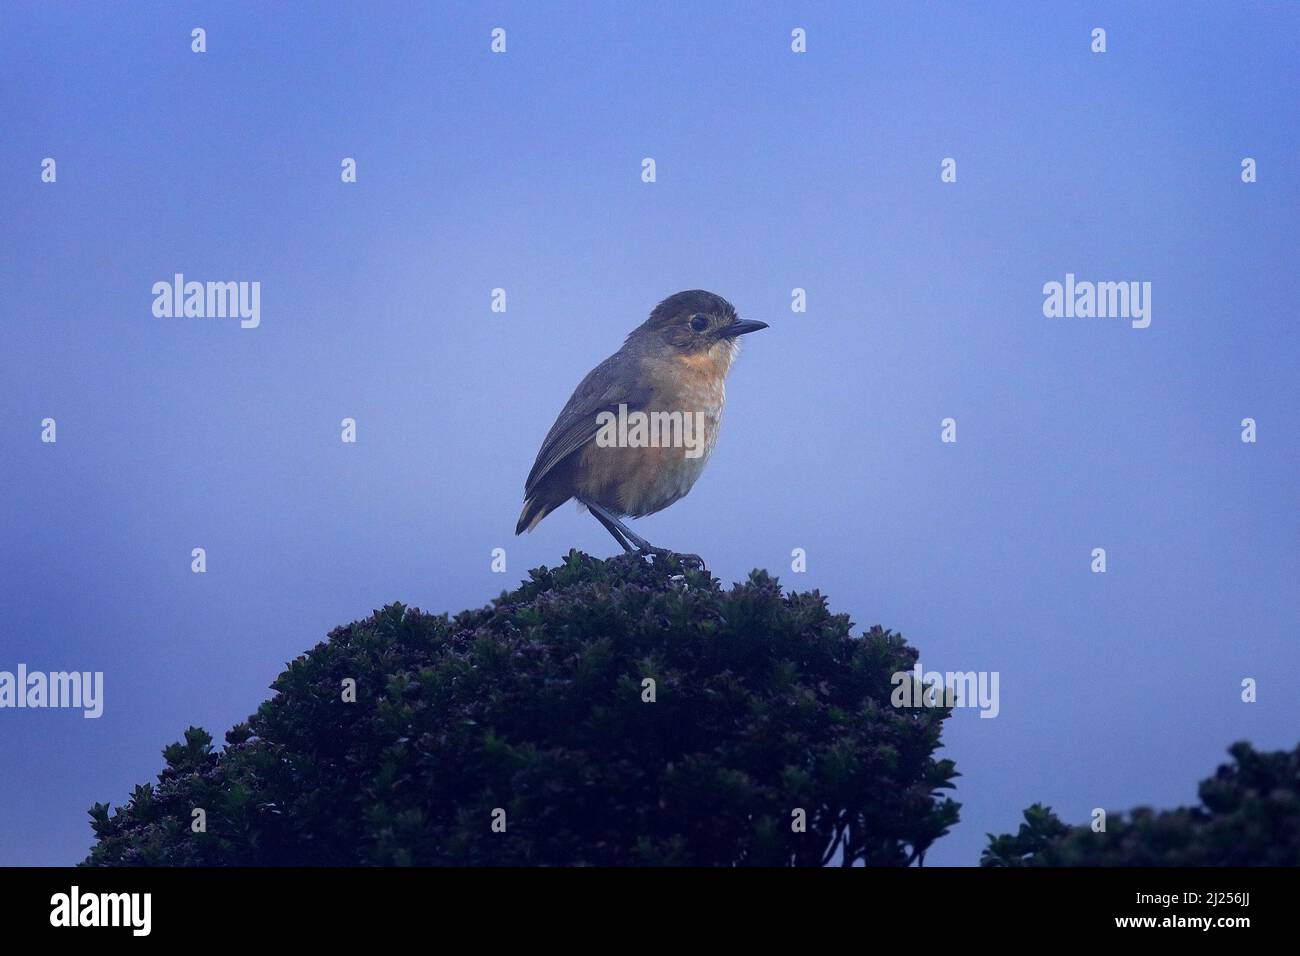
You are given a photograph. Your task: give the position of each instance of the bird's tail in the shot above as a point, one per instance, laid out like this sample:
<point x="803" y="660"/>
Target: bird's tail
<point x="535" y="509"/>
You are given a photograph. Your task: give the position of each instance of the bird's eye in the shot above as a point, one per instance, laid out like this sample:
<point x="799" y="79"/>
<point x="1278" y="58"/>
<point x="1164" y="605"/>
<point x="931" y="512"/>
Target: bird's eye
<point x="699" y="322"/>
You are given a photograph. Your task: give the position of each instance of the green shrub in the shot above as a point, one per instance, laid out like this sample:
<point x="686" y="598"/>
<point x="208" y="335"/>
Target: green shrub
<point x="764" y="704"/>
<point x="1249" y="816"/>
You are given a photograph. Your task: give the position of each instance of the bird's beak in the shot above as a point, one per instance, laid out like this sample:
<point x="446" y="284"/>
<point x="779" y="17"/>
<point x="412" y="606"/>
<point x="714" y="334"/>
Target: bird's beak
<point x="743" y="327"/>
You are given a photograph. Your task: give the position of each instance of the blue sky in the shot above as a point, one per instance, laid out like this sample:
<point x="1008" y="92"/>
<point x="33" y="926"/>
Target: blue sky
<point x="774" y="171"/>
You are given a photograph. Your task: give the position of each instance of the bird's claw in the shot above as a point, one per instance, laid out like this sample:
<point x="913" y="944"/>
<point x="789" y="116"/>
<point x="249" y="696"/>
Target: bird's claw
<point x="687" y="560"/>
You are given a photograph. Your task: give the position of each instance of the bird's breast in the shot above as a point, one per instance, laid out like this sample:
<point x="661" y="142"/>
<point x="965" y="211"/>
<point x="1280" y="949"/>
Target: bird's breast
<point x="636" y="478"/>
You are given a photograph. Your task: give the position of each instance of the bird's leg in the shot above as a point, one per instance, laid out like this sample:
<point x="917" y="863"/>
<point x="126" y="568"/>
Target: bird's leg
<point x="640" y="543"/>
<point x="610" y="526"/>
<point x="623" y="534"/>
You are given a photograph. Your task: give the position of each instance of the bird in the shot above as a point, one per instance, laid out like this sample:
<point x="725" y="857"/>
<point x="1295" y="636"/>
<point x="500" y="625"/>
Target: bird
<point x="607" y="448"/>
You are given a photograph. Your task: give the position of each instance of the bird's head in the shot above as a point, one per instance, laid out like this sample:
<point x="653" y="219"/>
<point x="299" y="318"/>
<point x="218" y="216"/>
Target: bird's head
<point x="697" y="322"/>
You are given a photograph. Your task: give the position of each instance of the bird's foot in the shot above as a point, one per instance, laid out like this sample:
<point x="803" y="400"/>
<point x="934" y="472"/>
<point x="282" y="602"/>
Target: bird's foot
<point x="694" y="559"/>
<point x="686" y="559"/>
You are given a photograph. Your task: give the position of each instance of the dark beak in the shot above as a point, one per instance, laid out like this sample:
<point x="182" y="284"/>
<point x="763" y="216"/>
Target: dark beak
<point x="743" y="327"/>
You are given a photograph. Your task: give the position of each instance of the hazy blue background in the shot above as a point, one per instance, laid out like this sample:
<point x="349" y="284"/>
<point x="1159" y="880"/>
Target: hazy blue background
<point x="775" y="171"/>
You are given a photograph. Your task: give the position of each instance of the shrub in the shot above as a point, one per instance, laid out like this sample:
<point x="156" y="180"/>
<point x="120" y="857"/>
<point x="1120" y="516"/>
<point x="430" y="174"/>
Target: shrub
<point x="1249" y="816"/>
<point x="764" y="704"/>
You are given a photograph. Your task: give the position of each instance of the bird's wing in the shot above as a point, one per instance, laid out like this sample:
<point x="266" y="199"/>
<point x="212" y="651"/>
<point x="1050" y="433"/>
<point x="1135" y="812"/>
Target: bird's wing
<point x="606" y="386"/>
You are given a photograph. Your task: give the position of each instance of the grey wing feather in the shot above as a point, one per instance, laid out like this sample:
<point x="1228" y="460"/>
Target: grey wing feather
<point x="604" y="389"/>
